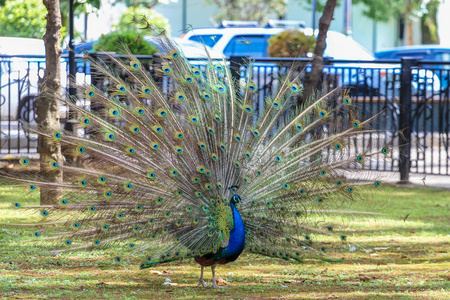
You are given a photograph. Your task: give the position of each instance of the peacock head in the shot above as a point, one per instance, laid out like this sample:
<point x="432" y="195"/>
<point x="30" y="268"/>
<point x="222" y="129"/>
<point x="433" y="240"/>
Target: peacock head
<point x="235" y="199"/>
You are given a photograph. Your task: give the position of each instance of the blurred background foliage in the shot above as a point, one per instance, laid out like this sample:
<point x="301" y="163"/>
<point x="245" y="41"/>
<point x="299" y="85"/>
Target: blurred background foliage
<point x="291" y="43"/>
<point x="117" y="40"/>
<point x="19" y="18"/>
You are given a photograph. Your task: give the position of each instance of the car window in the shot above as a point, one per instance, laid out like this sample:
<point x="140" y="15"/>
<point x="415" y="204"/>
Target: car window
<point x="207" y="39"/>
<point x="441" y="56"/>
<point x="421" y="54"/>
<point x="247" y="45"/>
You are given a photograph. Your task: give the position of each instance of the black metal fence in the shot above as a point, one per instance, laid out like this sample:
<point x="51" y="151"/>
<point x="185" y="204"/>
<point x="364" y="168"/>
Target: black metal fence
<point x="410" y="96"/>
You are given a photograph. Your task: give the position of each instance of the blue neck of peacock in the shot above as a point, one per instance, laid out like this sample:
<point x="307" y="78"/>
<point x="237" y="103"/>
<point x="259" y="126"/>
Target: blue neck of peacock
<point x="237" y="234"/>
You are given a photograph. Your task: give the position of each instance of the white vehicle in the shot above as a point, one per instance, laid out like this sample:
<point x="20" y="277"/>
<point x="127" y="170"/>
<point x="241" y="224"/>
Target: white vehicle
<point x="367" y="77"/>
<point x="22" y="62"/>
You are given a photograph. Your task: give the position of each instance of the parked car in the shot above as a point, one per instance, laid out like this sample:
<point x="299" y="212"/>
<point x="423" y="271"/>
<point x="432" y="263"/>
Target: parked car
<point x="436" y="53"/>
<point x="424" y="52"/>
<point x="22" y="62"/>
<point x="368" y="78"/>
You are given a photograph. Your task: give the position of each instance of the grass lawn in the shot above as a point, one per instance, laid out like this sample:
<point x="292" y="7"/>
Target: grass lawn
<point x="410" y="260"/>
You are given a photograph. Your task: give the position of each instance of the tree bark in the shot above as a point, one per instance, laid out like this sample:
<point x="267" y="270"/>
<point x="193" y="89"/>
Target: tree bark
<point x="313" y="77"/>
<point x="47" y="104"/>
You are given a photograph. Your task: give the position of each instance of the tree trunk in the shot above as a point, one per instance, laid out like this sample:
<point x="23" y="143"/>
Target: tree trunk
<point x="317" y="64"/>
<point x="47" y="103"/>
<point x="409" y="32"/>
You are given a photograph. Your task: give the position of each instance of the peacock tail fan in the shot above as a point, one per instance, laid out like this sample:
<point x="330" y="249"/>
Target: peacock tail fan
<point x="154" y="165"/>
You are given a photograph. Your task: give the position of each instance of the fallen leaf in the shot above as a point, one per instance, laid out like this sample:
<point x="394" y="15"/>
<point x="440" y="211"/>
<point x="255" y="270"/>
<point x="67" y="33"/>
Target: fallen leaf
<point x="333" y="296"/>
<point x="373" y="254"/>
<point x="221" y="281"/>
<point x="324" y="271"/>
<point x="404" y="256"/>
<point x="155" y="272"/>
<point x="170" y="283"/>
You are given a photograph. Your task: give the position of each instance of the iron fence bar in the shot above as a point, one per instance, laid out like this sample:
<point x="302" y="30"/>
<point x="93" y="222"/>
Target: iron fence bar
<point x="405" y="117"/>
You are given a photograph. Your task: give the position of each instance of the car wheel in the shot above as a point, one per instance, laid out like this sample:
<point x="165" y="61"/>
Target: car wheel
<point x="26" y="111"/>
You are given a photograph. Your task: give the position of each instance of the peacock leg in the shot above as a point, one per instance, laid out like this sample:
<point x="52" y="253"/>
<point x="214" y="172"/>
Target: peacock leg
<point x="214" y="283"/>
<point x="201" y="281"/>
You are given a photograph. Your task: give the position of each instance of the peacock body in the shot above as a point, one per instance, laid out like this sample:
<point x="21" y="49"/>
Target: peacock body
<point x="195" y="172"/>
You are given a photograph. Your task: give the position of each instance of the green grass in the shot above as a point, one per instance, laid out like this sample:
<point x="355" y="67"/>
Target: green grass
<point x="411" y="260"/>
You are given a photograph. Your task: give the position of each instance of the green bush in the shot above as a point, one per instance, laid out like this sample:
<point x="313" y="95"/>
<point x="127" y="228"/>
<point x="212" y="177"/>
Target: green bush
<point x="19" y="18"/>
<point x="291" y="43"/>
<point x="133" y="19"/>
<point x="117" y="42"/>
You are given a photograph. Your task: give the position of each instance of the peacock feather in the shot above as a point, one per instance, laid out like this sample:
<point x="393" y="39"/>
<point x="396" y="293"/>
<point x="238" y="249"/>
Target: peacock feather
<point x="195" y="171"/>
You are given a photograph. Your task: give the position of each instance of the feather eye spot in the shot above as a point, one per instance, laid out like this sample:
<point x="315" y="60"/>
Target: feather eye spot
<point x="80" y="149"/>
<point x="307" y="237"/>
<point x="356" y="124"/>
<point x="295" y="88"/>
<point x="62" y="202"/>
<point x="189" y="208"/>
<point x="92" y="208"/>
<point x="136" y="228"/>
<point x="275" y="104"/>
<point x="140" y="111"/>
<point x="343" y="237"/>
<point x="214" y="156"/>
<point x="385" y="150"/>
<point x="23" y="161"/>
<point x="339" y="183"/>
<point x="76" y="225"/>
<point x="323" y="113"/>
<point x="278" y="158"/>
<point x="320" y="200"/>
<point x="323" y="172"/>
<point x="237" y="164"/>
<point x="97" y="242"/>
<point x="329" y="228"/>
<point x="37" y="234"/>
<point x="44" y="213"/>
<point x="377" y="183"/>
<point x="68" y="243"/>
<point x="299" y="127"/>
<point x="350" y="190"/>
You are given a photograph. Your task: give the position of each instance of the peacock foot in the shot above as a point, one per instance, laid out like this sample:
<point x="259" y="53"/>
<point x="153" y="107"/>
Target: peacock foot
<point x="202" y="283"/>
<point x="216" y="286"/>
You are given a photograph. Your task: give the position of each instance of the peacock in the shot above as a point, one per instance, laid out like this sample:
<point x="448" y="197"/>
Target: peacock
<point x="181" y="163"/>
